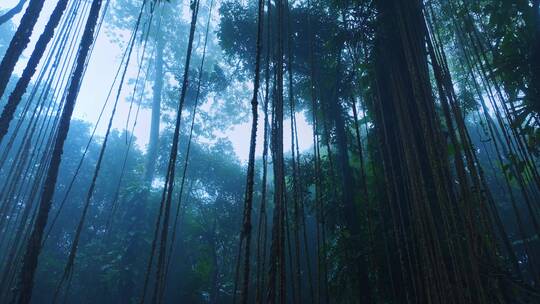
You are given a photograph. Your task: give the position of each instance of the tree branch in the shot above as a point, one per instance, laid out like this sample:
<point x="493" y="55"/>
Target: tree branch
<point x="12" y="12"/>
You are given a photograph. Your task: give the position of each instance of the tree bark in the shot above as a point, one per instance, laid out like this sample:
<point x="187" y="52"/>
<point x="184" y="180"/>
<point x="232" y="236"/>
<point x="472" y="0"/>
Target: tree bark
<point x="19" y="42"/>
<point x="31" y="66"/>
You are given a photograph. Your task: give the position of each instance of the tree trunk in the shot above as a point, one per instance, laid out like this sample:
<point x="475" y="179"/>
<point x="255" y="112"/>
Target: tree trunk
<point x="19" y="42"/>
<point x="214" y="287"/>
<point x="156" y="113"/>
<point x="350" y="213"/>
<point x="33" y="248"/>
<point x="30" y="69"/>
<point x="422" y="198"/>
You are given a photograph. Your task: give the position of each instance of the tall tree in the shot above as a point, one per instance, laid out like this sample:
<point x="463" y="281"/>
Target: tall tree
<point x="421" y="190"/>
<point x="34" y="245"/>
<point x="156" y="110"/>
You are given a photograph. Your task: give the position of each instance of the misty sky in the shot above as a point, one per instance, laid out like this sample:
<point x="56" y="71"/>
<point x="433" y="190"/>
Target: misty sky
<point x="99" y="77"/>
